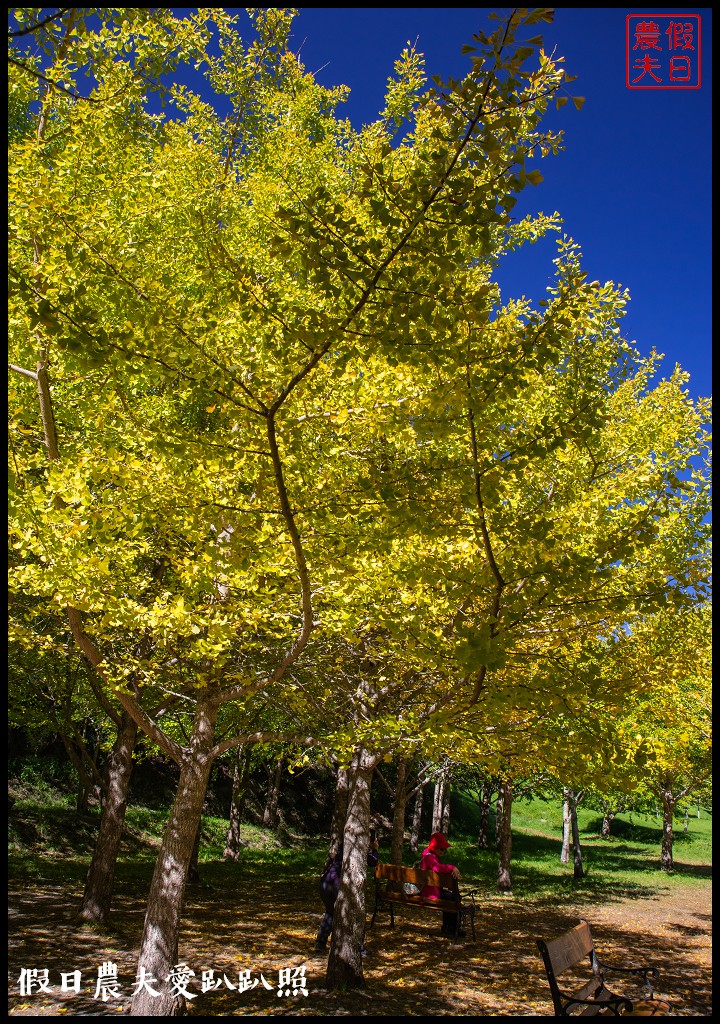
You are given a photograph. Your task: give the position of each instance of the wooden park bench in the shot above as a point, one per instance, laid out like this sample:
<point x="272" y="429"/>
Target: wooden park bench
<point x="397" y="885"/>
<point x="562" y="957"/>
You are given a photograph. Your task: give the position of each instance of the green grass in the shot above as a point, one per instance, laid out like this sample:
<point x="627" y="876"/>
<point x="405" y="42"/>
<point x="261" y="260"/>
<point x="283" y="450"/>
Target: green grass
<point x="626" y="863"/>
<point x="48" y="839"/>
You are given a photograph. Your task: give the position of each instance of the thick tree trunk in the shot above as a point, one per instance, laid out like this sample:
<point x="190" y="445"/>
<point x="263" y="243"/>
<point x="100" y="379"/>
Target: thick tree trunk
<point x="668" y="805"/>
<point x="270" y="815"/>
<point x="340" y="809"/>
<point x="241" y="774"/>
<point x="438" y="803"/>
<point x="417" y="819"/>
<point x="97" y="897"/>
<point x="398" y="825"/>
<point x="505" y="797"/>
<point x="345" y="960"/>
<point x="484" y="798"/>
<point x="565" y="851"/>
<point x="159" y="945"/>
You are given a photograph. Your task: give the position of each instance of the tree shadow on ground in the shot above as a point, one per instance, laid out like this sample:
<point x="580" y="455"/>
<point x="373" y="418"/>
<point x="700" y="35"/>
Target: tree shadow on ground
<point x="264" y="926"/>
<point x="699" y="870"/>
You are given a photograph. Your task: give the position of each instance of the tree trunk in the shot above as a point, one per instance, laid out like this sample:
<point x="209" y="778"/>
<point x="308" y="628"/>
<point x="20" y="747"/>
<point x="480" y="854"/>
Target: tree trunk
<point x="97" y="897"/>
<point x="345" y="960"/>
<point x="159" y="945"/>
<point x="241" y="774"/>
<point x="504" y="882"/>
<point x="668" y="805"/>
<point x="484" y="798"/>
<point x="438" y="803"/>
<point x="499" y="817"/>
<point x="193" y="874"/>
<point x="398" y="825"/>
<point x="82" y="805"/>
<point x="565" y="851"/>
<point x="75" y="748"/>
<point x="270" y="815"/>
<point x="340" y="809"/>
<point x="417" y="819"/>
<point x="577" y="849"/>
<point x="445" y="815"/>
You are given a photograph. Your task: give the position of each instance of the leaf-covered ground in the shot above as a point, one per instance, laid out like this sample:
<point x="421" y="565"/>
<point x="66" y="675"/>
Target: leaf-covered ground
<point x="411" y="969"/>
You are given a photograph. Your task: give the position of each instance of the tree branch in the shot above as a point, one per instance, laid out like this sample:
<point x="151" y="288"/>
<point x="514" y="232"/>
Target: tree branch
<point x="39" y="24"/>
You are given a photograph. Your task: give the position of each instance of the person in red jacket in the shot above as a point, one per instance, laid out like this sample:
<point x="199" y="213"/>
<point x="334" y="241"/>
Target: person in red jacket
<point x="430" y="861"/>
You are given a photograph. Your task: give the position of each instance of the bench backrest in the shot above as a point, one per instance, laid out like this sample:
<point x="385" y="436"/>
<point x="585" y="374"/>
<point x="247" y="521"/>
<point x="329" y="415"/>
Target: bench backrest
<point x="572" y="947"/>
<point x="398" y="873"/>
<point x="566" y="952"/>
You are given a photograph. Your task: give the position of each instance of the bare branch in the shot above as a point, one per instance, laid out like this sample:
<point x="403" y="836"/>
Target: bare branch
<point x="21" y="369"/>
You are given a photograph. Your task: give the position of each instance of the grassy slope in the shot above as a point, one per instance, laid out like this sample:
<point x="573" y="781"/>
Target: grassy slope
<point x="47" y="838"/>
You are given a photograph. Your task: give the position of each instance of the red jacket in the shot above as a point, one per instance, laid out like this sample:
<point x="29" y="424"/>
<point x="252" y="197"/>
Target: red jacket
<point x="431" y="862"/>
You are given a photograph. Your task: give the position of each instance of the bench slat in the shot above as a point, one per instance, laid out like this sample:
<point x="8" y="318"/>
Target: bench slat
<point x="419" y="901"/>
<point x="398" y="873"/>
<point x="570" y="948"/>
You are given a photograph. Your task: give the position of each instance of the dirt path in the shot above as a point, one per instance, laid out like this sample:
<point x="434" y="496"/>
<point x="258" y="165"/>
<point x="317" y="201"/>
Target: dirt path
<point x="411" y="971"/>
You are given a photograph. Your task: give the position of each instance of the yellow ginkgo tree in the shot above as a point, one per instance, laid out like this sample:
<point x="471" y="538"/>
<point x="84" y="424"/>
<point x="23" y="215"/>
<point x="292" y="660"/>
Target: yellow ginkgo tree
<point x="278" y="442"/>
<point x="667" y="724"/>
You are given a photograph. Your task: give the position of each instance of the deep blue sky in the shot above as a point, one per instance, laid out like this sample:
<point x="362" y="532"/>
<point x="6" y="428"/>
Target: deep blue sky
<point x="633" y="184"/>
